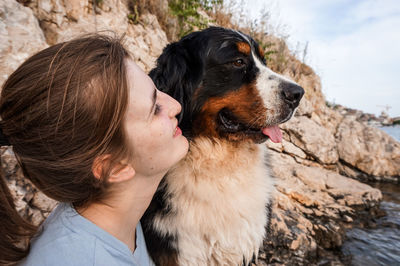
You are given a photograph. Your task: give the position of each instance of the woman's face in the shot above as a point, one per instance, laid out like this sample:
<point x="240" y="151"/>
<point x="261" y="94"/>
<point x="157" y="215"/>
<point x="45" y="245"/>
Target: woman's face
<point x="152" y="128"/>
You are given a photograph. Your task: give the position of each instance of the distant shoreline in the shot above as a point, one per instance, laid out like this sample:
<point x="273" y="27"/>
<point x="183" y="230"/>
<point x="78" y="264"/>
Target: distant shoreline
<point x="370" y="119"/>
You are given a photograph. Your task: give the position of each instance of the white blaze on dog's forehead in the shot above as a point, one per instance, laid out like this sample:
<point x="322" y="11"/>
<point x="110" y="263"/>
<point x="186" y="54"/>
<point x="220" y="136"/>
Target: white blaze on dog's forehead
<point x="267" y="84"/>
<point x="271" y="74"/>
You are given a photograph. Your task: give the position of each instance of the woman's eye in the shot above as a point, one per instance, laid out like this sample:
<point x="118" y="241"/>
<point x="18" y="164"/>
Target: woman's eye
<point x="157" y="109"/>
<point x="239" y="62"/>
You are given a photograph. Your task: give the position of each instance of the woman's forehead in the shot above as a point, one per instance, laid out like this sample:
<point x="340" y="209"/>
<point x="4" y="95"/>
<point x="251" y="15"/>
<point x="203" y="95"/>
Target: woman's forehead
<point x="137" y="78"/>
<point x="141" y="91"/>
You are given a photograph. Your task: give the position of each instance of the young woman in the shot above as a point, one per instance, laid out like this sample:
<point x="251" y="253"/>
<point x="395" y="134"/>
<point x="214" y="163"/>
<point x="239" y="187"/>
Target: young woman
<point x="90" y="130"/>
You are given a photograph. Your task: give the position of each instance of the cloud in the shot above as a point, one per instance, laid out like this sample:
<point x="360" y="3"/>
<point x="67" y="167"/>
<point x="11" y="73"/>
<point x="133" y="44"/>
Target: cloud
<point x="360" y="66"/>
<point x="353" y="46"/>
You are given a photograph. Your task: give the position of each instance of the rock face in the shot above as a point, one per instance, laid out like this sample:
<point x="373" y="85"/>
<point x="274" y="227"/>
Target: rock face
<point x="20" y="34"/>
<point x="62" y="20"/>
<point x="315" y="200"/>
<point x="312" y="208"/>
<point x="30" y="203"/>
<point x="313" y="139"/>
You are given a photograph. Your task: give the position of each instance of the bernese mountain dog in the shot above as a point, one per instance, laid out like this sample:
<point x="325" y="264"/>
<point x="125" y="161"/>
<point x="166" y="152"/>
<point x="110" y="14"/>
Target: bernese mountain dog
<point x="212" y="208"/>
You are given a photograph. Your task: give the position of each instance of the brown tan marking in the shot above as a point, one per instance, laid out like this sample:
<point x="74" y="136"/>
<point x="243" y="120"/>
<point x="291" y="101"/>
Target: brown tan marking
<point x="261" y="51"/>
<point x="245" y="103"/>
<point x="243" y="47"/>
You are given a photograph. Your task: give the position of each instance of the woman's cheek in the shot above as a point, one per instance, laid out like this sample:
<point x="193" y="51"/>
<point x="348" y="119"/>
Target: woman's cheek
<point x="164" y="128"/>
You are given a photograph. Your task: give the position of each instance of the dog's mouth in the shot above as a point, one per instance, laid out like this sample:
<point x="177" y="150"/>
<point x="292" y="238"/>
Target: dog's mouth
<point x="231" y="124"/>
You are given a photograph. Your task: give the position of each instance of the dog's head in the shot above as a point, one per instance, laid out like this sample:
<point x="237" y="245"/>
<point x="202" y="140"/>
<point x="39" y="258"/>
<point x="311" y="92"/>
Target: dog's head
<point x="226" y="90"/>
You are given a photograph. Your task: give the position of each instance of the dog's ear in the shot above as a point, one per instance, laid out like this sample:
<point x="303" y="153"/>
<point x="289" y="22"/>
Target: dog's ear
<point x="178" y="73"/>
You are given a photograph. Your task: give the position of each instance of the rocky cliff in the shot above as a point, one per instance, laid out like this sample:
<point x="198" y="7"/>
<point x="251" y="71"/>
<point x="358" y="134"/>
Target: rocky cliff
<point x="317" y="165"/>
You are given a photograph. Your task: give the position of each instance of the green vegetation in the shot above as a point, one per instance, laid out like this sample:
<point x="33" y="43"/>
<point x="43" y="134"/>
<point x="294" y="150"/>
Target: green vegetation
<point x="133" y="17"/>
<point x="176" y="17"/>
<point x="187" y="13"/>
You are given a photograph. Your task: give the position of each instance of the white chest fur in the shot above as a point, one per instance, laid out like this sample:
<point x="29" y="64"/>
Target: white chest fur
<point x="218" y="195"/>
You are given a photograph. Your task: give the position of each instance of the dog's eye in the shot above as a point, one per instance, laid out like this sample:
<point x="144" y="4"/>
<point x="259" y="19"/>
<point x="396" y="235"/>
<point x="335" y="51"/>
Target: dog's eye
<point x="238" y="63"/>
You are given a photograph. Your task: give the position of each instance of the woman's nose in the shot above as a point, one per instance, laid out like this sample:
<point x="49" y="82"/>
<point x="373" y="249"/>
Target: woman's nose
<point x="175" y="109"/>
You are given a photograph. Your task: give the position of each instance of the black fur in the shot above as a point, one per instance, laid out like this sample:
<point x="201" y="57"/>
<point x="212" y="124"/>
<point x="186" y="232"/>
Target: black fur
<point x="158" y="245"/>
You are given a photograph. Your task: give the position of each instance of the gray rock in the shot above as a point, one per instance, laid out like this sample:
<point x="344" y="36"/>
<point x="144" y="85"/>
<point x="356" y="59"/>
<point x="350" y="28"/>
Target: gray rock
<point x="312" y="138"/>
<point x="20" y="34"/>
<point x="368" y="149"/>
<point x="43" y="202"/>
<point x="311" y="210"/>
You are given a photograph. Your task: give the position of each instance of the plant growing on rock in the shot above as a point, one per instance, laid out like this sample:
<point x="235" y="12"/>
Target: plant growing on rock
<point x="188" y="15"/>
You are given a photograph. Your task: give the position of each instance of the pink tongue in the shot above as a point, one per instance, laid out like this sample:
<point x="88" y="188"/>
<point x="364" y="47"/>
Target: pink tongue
<point x="274" y="133"/>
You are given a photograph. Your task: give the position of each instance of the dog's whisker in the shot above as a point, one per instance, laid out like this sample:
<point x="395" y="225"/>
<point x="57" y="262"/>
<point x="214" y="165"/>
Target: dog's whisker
<point x="254" y="121"/>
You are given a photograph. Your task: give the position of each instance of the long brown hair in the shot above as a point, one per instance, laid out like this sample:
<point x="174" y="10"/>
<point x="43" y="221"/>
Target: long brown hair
<point x="60" y="110"/>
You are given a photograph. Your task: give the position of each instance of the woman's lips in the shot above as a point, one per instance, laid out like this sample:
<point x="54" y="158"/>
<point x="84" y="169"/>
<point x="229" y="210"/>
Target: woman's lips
<point x="177" y="132"/>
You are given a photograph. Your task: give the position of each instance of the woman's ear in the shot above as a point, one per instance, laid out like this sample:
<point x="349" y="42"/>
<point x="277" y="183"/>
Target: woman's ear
<point x="99" y="165"/>
<point x="119" y="173"/>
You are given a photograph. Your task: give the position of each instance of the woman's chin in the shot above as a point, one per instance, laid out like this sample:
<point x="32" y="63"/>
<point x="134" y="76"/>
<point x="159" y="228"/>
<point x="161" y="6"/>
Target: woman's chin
<point x="183" y="148"/>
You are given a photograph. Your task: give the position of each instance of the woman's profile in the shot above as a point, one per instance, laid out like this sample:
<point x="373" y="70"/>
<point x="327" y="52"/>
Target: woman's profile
<point x="90" y="130"/>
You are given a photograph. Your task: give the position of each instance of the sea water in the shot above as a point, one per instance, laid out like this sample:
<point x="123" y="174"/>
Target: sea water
<point x="379" y="245"/>
<point x="393" y="131"/>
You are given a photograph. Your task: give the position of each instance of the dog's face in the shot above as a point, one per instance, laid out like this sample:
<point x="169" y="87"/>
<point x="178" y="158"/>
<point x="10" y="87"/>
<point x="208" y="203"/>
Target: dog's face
<point x="226" y="90"/>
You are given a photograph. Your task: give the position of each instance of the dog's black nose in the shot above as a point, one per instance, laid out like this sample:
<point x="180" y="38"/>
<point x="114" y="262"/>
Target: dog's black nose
<point x="291" y="93"/>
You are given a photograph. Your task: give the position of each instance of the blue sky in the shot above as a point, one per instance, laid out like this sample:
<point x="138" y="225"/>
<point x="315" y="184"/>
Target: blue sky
<point x="353" y="45"/>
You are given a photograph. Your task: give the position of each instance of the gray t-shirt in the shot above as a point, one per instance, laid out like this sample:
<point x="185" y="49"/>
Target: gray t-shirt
<point x="68" y="238"/>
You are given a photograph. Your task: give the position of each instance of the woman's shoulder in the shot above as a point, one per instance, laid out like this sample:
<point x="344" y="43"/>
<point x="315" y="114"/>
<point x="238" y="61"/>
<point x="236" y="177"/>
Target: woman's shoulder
<point x="67" y="238"/>
<point x="59" y="243"/>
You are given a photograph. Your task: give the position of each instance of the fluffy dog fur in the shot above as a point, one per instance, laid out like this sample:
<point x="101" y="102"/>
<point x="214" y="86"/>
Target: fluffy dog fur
<point x="212" y="208"/>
